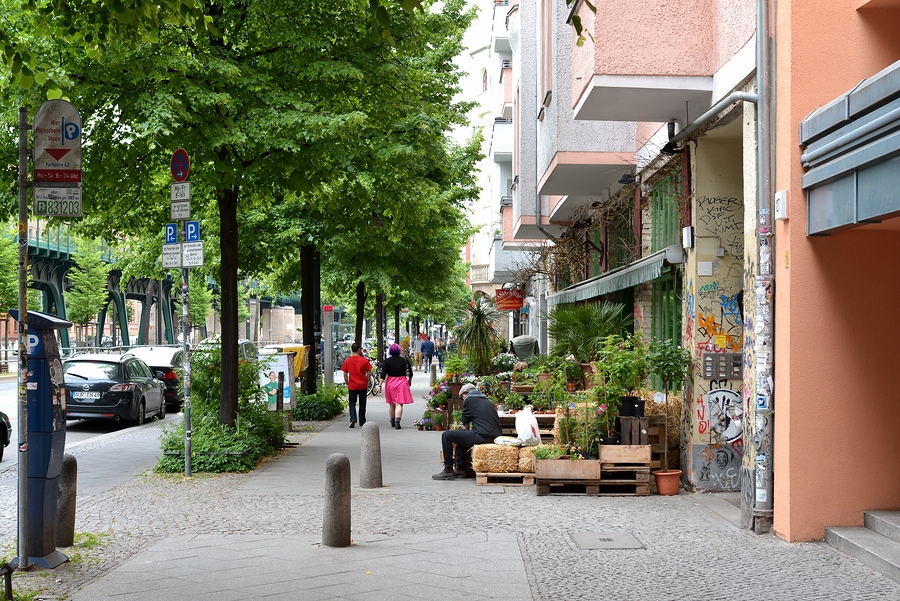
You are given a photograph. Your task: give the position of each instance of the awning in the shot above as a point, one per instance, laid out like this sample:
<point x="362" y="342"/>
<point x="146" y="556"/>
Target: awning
<point x="644" y="270"/>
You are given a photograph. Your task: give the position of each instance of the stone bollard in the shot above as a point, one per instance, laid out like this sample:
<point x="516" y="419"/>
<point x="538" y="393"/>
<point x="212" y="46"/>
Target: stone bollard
<point x="336" y="526"/>
<point x="370" y="464"/>
<point x="65" y="512"/>
<point x="432" y="374"/>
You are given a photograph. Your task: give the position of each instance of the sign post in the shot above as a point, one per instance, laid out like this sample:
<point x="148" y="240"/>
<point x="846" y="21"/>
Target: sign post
<point x="188" y="253"/>
<point x="328" y="343"/>
<point x="57" y="160"/>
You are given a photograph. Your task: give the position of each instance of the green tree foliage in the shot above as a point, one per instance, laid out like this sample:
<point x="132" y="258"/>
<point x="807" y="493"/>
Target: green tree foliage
<point x="276" y="103"/>
<point x="89" y="293"/>
<point x="199" y="302"/>
<point x="9" y="272"/>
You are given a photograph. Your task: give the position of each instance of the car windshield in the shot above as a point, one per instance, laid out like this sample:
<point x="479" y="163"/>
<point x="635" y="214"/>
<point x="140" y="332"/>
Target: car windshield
<point x="91" y="370"/>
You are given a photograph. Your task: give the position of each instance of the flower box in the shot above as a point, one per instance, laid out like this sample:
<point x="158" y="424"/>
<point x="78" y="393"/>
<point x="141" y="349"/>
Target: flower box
<point x="566" y="469"/>
<point x="620" y="453"/>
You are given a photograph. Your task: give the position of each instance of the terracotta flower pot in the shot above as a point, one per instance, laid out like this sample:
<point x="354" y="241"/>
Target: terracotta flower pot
<point x="438" y="427"/>
<point x="571" y="386"/>
<point x="667" y="482"/>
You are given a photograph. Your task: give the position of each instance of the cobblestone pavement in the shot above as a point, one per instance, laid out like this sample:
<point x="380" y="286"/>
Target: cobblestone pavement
<point x="689" y="551"/>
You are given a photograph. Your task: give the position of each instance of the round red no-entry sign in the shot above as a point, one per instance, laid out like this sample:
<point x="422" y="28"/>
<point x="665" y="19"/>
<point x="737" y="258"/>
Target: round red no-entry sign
<point x="180" y="165"/>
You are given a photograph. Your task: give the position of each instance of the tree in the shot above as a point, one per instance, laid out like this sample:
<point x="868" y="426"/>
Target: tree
<point x="477" y="336"/>
<point x="200" y="301"/>
<point x="288" y="98"/>
<point x="88" y="293"/>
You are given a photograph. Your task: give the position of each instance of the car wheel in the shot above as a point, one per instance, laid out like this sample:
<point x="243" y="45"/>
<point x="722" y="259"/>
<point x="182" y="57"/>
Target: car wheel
<point x="162" y="410"/>
<point x="141" y="414"/>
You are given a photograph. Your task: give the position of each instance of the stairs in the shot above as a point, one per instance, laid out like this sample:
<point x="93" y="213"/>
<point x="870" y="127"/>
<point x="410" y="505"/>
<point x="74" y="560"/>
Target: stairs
<point x="877" y="544"/>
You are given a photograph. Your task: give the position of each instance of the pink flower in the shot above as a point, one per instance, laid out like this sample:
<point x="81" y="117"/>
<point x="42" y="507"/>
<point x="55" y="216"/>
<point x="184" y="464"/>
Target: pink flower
<point x="602" y="409"/>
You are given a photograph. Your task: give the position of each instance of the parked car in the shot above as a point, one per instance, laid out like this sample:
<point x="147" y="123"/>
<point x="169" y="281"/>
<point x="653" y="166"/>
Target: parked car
<point x="5" y="432"/>
<point x="167" y="364"/>
<point x="108" y="386"/>
<point x="246" y="349"/>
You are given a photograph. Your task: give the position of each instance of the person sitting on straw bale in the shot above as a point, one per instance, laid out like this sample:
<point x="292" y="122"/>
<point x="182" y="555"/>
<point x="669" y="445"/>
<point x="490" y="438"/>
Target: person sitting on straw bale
<point x="479" y="413"/>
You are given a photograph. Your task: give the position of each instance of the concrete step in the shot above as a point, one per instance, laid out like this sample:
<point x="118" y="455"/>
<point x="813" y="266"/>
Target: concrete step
<point x="869" y="547"/>
<point x="885" y="523"/>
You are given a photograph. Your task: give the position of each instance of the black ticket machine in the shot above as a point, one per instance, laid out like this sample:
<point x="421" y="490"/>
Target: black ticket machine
<point x="46" y="434"/>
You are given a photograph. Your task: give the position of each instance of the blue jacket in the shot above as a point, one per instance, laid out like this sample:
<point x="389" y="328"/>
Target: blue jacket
<point x="427" y="347"/>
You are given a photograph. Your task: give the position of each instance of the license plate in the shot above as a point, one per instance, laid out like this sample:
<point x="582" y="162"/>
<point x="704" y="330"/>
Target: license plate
<point x="77" y="394"/>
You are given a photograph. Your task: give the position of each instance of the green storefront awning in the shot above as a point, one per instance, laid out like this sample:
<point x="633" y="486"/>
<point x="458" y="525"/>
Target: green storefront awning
<point x="644" y="270"/>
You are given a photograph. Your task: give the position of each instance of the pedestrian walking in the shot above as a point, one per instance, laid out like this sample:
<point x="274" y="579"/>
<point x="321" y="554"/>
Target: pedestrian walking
<point x="356" y="370"/>
<point x="427" y="353"/>
<point x="416" y="346"/>
<point x="440" y="349"/>
<point x="397" y="374"/>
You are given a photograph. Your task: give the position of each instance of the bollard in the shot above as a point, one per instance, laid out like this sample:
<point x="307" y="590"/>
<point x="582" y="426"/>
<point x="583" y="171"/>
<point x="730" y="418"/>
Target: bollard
<point x="432" y="374"/>
<point x="65" y="513"/>
<point x="370" y="463"/>
<point x="336" y="526"/>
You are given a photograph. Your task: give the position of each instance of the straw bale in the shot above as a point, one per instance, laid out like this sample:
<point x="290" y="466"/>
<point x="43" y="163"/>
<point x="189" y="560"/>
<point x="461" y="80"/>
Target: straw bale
<point x="526" y="460"/>
<point x="495" y="458"/>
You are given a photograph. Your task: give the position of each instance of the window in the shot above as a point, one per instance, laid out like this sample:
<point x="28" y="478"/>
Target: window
<point x="664" y="217"/>
<point x="484" y="80"/>
<point x="665" y="321"/>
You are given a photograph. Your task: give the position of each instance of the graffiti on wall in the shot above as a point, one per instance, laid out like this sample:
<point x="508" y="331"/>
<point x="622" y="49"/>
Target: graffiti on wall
<point x="717" y="467"/>
<point x="720" y="215"/>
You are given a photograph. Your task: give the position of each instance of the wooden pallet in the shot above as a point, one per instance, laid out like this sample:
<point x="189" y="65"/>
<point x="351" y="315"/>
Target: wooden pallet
<point x="564" y="487"/>
<point x="597" y="488"/>
<point x="624" y="480"/>
<point x="508" y="479"/>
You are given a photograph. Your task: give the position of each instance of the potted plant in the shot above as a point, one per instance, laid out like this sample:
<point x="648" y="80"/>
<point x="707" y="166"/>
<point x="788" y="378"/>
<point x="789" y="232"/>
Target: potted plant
<point x="514" y="402"/>
<point x="456" y="418"/>
<point x="625" y="364"/>
<point x="438" y="418"/>
<point x="477" y="336"/>
<point x="503" y="362"/>
<point x="454" y="368"/>
<point x="581" y="330"/>
<point x="419" y="424"/>
<point x="672" y="365"/>
<point x="573" y="375"/>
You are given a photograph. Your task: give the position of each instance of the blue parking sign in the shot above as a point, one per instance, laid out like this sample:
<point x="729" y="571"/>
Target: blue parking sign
<point x="192" y="231"/>
<point x="171" y="233"/>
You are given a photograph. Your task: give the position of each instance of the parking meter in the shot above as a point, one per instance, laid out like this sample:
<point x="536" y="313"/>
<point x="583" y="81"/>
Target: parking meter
<point x="46" y="434"/>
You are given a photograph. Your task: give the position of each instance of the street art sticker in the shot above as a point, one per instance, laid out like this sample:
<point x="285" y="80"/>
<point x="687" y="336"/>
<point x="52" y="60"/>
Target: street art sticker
<point x="718" y="467"/>
<point x="726" y="414"/>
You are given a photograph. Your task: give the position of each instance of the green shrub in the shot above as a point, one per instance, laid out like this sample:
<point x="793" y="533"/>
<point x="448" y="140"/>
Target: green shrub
<point x="327" y="402"/>
<point x="216" y="447"/>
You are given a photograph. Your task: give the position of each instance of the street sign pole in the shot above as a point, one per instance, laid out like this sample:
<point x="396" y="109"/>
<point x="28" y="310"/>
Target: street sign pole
<point x="22" y="376"/>
<point x="185" y="318"/>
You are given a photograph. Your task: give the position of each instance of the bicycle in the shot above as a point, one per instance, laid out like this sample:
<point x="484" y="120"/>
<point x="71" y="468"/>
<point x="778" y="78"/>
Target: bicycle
<point x="375" y="382"/>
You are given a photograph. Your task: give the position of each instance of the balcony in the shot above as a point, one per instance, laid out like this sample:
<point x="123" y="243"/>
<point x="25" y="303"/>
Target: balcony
<point x="656" y="61"/>
<point x="502" y="141"/>
<point x="479" y="274"/>
<point x="499" y="35"/>
<point x="507" y="260"/>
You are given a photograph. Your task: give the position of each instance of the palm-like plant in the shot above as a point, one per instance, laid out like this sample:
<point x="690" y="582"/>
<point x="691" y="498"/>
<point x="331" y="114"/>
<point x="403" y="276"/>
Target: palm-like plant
<point x="581" y="330"/>
<point x="477" y="335"/>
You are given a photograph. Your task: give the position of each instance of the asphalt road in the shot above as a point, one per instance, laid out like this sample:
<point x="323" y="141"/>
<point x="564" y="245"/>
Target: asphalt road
<point x="76" y="430"/>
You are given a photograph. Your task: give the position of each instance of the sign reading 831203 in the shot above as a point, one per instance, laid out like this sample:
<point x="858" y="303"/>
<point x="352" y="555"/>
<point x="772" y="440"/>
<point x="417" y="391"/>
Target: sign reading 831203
<point x="57" y="202"/>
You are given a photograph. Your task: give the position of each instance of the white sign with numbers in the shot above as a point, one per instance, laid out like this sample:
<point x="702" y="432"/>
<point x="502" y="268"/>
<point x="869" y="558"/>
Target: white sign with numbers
<point x="171" y="256"/>
<point x="57" y="202"/>
<point x="192" y="255"/>
<point x="180" y="210"/>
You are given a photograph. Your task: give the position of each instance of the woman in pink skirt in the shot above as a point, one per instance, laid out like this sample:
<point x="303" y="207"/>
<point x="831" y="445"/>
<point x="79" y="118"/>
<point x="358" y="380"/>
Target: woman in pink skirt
<point x="396" y="373"/>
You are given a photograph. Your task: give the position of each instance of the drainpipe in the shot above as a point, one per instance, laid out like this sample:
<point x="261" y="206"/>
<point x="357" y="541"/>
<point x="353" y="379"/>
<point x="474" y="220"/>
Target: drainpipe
<point x="712" y="112"/>
<point x="763" y="437"/>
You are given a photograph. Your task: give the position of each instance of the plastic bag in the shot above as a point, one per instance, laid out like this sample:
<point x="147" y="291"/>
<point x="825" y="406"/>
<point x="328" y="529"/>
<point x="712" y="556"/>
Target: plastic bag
<point x="527" y="428"/>
<point x="510" y="441"/>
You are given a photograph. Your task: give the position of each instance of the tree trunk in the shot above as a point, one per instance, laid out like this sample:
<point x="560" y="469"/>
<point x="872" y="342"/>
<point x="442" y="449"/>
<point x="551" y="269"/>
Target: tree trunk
<point x="397" y="324"/>
<point x="360" y="309"/>
<point x="379" y="325"/>
<point x="228" y="245"/>
<point x="310" y="312"/>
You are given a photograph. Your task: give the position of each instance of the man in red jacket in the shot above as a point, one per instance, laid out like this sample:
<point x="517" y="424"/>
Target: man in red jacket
<point x="356" y="370"/>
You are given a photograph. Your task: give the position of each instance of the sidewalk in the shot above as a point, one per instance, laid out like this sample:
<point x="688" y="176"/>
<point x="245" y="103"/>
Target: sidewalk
<point x="256" y="535"/>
